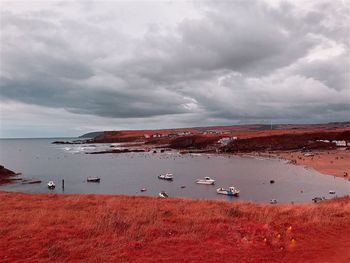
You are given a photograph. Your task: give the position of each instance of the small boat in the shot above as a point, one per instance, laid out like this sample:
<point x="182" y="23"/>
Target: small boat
<point x="163" y="194"/>
<point x="206" y="180"/>
<point x="231" y="191"/>
<point x="167" y="176"/>
<point x="332" y="192"/>
<point x="93" y="179"/>
<point x="143" y="189"/>
<point x="273" y="201"/>
<point x="51" y="185"/>
<point x="318" y="199"/>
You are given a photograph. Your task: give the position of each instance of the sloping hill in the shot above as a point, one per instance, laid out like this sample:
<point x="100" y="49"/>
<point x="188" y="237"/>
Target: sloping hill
<point x="106" y="228"/>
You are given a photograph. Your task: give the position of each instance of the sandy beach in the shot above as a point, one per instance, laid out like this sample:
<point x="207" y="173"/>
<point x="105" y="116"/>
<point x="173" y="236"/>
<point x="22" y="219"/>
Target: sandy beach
<point x="332" y="162"/>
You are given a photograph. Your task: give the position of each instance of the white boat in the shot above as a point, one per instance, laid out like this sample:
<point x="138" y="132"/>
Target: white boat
<point x="51" y="185"/>
<point x="332" y="192"/>
<point x="93" y="179"/>
<point x="231" y="191"/>
<point x="167" y="176"/>
<point x="163" y="194"/>
<point x="206" y="180"/>
<point x="273" y="201"/>
<point x="318" y="199"/>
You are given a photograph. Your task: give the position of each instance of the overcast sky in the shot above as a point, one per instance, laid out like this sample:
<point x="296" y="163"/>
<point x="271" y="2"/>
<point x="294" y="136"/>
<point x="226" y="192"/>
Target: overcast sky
<point x="72" y="67"/>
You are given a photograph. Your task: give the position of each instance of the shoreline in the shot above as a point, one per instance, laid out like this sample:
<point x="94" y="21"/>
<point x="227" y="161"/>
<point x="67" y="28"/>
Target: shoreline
<point x="328" y="162"/>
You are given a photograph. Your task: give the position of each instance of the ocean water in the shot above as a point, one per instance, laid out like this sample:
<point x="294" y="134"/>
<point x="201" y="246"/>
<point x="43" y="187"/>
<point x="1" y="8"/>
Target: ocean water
<point x="127" y="173"/>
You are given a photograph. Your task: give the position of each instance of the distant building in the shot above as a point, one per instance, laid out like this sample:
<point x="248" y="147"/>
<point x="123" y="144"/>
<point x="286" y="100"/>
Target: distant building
<point x="340" y="143"/>
<point x="226" y="140"/>
<point x="172" y="135"/>
<point x="327" y="141"/>
<point x="213" y="132"/>
<point x="184" y="133"/>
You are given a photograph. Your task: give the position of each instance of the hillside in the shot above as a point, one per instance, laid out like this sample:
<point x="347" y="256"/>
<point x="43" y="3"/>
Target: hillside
<point x="101" y="228"/>
<point x="205" y="134"/>
<point x="90" y="135"/>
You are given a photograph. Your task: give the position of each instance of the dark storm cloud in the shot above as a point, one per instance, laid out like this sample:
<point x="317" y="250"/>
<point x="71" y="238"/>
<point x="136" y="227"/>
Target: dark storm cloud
<point x="237" y="60"/>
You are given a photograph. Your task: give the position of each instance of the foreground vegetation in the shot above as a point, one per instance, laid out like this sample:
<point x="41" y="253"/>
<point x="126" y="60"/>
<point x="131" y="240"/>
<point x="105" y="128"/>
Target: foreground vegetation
<point x="104" y="228"/>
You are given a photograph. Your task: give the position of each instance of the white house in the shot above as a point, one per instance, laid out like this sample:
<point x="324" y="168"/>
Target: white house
<point x="340" y="143"/>
<point x="226" y="140"/>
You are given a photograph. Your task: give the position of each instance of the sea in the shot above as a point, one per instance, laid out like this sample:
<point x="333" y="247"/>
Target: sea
<point x="128" y="173"/>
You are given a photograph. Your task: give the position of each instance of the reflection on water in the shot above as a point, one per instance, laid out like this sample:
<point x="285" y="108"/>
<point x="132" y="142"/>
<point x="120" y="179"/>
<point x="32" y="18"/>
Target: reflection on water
<point x="128" y="173"/>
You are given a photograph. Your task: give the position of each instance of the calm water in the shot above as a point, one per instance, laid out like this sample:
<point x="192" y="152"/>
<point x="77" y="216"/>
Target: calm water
<point x="128" y="173"/>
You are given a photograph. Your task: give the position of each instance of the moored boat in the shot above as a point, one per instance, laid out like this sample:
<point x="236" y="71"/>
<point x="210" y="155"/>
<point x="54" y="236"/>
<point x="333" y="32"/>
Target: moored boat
<point x="273" y="201"/>
<point x="93" y="179"/>
<point x="231" y="191"/>
<point x="167" y="176"/>
<point x="206" y="180"/>
<point x="163" y="194"/>
<point x="318" y="199"/>
<point x="51" y="185"/>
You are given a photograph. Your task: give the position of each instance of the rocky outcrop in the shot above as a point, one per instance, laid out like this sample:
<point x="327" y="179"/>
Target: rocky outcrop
<point x="9" y="177"/>
<point x="71" y="142"/>
<point x="118" y="151"/>
<point x="6" y="175"/>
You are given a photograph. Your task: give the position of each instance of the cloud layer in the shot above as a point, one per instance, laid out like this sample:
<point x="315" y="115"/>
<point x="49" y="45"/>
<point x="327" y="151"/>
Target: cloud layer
<point x="177" y="64"/>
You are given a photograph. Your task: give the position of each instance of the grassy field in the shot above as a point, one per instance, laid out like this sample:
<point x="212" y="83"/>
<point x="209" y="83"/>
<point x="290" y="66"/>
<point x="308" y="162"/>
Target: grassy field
<point x="106" y="228"/>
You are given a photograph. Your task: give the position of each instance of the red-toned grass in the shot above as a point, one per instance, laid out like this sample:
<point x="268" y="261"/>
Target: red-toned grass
<point x="100" y="228"/>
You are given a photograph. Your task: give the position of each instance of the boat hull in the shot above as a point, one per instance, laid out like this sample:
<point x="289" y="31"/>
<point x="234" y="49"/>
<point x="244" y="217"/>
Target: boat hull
<point x="51" y="185"/>
<point x="227" y="192"/>
<point x="93" y="180"/>
<point x="206" y="182"/>
<point x="165" y="178"/>
<point x="163" y="195"/>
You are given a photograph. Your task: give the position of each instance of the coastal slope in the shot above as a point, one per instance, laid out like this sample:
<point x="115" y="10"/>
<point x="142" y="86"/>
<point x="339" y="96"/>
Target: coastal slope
<point x="106" y="228"/>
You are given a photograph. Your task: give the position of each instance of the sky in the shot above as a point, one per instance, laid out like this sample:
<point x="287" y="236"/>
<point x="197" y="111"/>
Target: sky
<point x="71" y="67"/>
